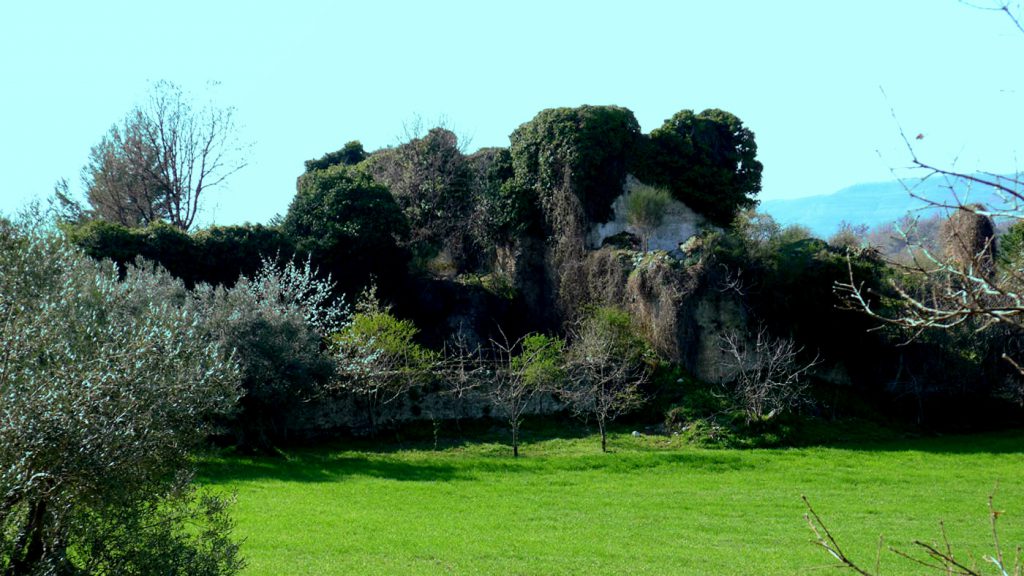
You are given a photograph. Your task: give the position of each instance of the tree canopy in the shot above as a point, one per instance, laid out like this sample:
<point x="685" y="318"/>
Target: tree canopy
<point x="349" y="224"/>
<point x="708" y="161"/>
<point x="159" y="163"/>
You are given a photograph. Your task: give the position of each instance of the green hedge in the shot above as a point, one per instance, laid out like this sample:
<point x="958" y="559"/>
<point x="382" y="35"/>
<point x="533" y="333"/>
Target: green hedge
<point x="217" y="255"/>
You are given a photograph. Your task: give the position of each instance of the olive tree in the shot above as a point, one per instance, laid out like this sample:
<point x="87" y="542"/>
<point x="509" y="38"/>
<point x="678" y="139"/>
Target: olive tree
<point x="276" y="323"/>
<point x="105" y="386"/>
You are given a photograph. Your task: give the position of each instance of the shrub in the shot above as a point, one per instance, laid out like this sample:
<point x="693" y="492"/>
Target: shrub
<point x="225" y="253"/>
<point x="767" y="375"/>
<point x="645" y="209"/>
<point x="106" y="240"/>
<point x="275" y="324"/>
<point x="378" y="356"/>
<point x="349" y="155"/>
<point x="217" y="255"/>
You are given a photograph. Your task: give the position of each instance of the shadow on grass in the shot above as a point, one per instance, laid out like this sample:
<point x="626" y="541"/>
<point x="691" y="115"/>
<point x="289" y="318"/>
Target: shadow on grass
<point x="322" y="467"/>
<point x="871" y="437"/>
<point x="464" y="433"/>
<point x="1004" y="442"/>
<point x="338" y="464"/>
<point x="481" y="448"/>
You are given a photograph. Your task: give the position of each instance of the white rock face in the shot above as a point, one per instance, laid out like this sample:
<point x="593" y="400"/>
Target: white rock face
<point x="679" y="225"/>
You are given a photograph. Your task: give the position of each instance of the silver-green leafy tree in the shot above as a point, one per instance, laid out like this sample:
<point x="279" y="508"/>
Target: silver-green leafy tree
<point x="276" y="323"/>
<point x="105" y="386"/>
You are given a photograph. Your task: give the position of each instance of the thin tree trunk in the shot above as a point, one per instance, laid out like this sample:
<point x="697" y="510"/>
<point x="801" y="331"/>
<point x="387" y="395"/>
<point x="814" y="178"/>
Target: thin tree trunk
<point x="515" y="440"/>
<point x="32" y="542"/>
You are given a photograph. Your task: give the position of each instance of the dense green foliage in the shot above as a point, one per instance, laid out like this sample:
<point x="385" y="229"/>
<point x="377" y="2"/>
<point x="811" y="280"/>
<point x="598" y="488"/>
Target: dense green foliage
<point x="106" y="385"/>
<point x="540" y="361"/>
<point x="584" y="151"/>
<point x="504" y="208"/>
<point x="652" y="506"/>
<point x="1011" y="247"/>
<point x="113" y="368"/>
<point x="378" y="357"/>
<point x="276" y="324"/>
<point x="708" y="161"/>
<point x="789" y="280"/>
<point x="349" y="225"/>
<point x="349" y="155"/>
<point x="431" y="181"/>
<point x="226" y="252"/>
<point x="216" y="255"/>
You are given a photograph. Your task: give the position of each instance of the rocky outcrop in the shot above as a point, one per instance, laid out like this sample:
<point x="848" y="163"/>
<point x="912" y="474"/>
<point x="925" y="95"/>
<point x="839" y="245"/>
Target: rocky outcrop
<point x="680" y="223"/>
<point x="679" y="302"/>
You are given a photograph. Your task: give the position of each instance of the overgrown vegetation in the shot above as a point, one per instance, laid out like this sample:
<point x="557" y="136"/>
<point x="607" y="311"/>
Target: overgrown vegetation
<point x="645" y="209"/>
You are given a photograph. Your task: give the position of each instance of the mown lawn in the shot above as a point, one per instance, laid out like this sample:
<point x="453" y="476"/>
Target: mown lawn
<point x="652" y="506"/>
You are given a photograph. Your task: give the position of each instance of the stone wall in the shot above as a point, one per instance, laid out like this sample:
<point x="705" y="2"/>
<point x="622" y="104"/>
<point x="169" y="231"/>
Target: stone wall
<point x="347" y="412"/>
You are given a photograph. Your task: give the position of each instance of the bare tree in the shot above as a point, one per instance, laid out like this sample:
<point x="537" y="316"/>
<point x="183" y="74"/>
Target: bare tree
<point x="462" y="371"/>
<point x="159" y="163"/>
<point x="520" y="371"/>
<point x="963" y="287"/>
<point x="938" y="559"/>
<point x="605" y="370"/>
<point x="767" y="375"/>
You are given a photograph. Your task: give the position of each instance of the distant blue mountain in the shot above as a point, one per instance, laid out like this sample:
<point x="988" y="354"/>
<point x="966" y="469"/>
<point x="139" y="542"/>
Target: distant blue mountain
<point x="872" y="204"/>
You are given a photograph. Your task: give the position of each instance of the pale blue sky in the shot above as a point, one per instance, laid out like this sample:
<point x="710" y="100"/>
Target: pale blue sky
<point x="305" y="77"/>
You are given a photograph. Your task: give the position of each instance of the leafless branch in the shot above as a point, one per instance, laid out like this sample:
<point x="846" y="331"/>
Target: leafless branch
<point x="159" y="163"/>
<point x="766" y="372"/>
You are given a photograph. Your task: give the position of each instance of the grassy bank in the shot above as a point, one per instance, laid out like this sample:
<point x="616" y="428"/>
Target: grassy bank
<point x="652" y="506"/>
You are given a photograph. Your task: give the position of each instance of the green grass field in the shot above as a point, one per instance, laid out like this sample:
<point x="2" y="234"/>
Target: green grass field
<point x="652" y="506"/>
